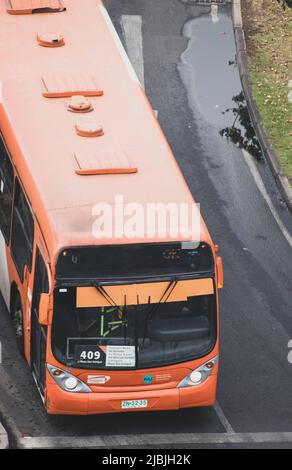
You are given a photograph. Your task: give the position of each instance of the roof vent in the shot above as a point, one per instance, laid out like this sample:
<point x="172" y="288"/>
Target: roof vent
<point x="66" y="86"/>
<point x="89" y="129"/>
<point x="103" y="163"/>
<point x="50" y="40"/>
<point x="79" y="104"/>
<point x="28" y="7"/>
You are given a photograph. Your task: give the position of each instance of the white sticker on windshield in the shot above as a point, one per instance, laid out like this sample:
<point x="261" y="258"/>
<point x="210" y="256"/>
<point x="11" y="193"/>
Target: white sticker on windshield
<point x="120" y="356"/>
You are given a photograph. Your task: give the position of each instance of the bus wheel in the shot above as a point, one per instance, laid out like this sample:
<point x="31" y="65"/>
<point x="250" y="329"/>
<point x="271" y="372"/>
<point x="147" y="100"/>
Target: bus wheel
<point x="17" y="322"/>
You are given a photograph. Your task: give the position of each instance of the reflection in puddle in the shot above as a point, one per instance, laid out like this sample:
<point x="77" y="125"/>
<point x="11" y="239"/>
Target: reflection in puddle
<point x="242" y="133"/>
<point x="210" y="75"/>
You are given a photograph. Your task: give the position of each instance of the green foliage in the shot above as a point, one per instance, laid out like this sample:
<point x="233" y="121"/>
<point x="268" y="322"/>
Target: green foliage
<point x="285" y="3"/>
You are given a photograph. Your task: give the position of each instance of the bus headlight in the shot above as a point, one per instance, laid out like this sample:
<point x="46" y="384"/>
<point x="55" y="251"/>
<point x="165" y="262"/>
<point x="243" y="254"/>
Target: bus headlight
<point x="199" y="375"/>
<point x="67" y="382"/>
<point x="71" y="383"/>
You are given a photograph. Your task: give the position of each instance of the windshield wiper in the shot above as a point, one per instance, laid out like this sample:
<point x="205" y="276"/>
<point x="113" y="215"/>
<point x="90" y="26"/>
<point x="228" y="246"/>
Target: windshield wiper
<point x="150" y="313"/>
<point x="125" y="317"/>
<point x="107" y="297"/>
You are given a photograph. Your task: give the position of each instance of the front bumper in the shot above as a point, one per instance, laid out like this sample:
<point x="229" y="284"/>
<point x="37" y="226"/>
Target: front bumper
<point x="61" y="402"/>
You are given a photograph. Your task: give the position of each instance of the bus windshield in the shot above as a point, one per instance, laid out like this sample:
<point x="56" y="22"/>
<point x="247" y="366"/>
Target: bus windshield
<point x="132" y="336"/>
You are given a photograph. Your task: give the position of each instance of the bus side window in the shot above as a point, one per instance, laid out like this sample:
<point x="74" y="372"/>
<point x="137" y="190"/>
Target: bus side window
<point x="6" y="191"/>
<point x="22" y="232"/>
<point x="41" y="280"/>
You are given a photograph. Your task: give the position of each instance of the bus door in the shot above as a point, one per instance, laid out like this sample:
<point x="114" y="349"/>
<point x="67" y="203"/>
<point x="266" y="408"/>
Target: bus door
<point x="38" y="332"/>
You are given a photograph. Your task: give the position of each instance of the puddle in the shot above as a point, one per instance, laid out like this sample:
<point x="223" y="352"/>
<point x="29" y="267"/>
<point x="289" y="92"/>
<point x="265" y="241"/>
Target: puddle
<point x="241" y="132"/>
<point x="209" y="72"/>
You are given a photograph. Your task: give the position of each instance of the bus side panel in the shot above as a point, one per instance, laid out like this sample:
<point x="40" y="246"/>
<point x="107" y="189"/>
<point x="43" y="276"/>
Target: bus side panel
<point x="4" y="274"/>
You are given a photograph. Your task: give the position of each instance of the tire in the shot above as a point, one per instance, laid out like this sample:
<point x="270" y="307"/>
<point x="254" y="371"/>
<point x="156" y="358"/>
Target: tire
<point x="17" y="323"/>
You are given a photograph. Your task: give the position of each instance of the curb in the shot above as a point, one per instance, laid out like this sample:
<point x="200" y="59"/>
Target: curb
<point x="4" y="443"/>
<point x="242" y="61"/>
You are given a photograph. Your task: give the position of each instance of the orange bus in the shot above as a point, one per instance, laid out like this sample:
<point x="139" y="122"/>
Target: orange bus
<point x="106" y="322"/>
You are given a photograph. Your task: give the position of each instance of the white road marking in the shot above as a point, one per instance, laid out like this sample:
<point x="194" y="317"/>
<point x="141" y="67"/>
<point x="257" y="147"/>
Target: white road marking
<point x="3" y="438"/>
<point x="132" y="28"/>
<point x="153" y="440"/>
<point x="156" y="113"/>
<point x="119" y="43"/>
<point x="224" y="421"/>
<point x="259" y="182"/>
<point x="214" y="13"/>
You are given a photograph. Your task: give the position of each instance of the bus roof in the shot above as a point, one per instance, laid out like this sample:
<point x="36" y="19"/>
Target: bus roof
<point x="41" y="133"/>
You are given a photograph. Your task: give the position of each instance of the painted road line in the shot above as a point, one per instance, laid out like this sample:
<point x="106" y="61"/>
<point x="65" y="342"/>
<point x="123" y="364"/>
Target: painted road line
<point x="153" y="440"/>
<point x="3" y="438"/>
<point x="214" y="13"/>
<point x="259" y="182"/>
<point x="132" y="29"/>
<point x="118" y="43"/>
<point x="224" y="421"/>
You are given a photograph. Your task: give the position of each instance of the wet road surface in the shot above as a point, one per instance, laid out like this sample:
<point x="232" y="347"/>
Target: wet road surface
<point x="191" y="79"/>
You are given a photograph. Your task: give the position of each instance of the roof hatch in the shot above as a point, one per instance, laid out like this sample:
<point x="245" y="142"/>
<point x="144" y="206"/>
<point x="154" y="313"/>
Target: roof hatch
<point x="65" y="86"/>
<point x="79" y="104"/>
<point x="50" y="40"/>
<point x="27" y="7"/>
<point x="103" y="163"/>
<point x="89" y="129"/>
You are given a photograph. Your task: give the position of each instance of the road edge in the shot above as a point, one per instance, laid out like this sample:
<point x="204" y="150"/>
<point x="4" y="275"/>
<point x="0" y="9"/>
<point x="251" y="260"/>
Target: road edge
<point x="242" y="61"/>
<point x="158" y="441"/>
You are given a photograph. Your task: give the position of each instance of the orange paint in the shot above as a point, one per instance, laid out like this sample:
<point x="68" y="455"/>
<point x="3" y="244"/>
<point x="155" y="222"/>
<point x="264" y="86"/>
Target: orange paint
<point x="90" y="297"/>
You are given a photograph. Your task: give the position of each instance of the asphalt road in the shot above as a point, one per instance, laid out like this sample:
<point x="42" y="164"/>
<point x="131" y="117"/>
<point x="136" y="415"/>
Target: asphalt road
<point x="187" y="64"/>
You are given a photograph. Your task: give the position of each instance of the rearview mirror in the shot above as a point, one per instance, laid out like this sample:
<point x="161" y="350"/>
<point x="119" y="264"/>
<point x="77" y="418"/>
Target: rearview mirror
<point x="220" y="274"/>
<point x="44" y="309"/>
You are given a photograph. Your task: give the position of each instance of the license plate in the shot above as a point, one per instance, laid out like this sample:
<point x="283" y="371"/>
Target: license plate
<point x="126" y="404"/>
